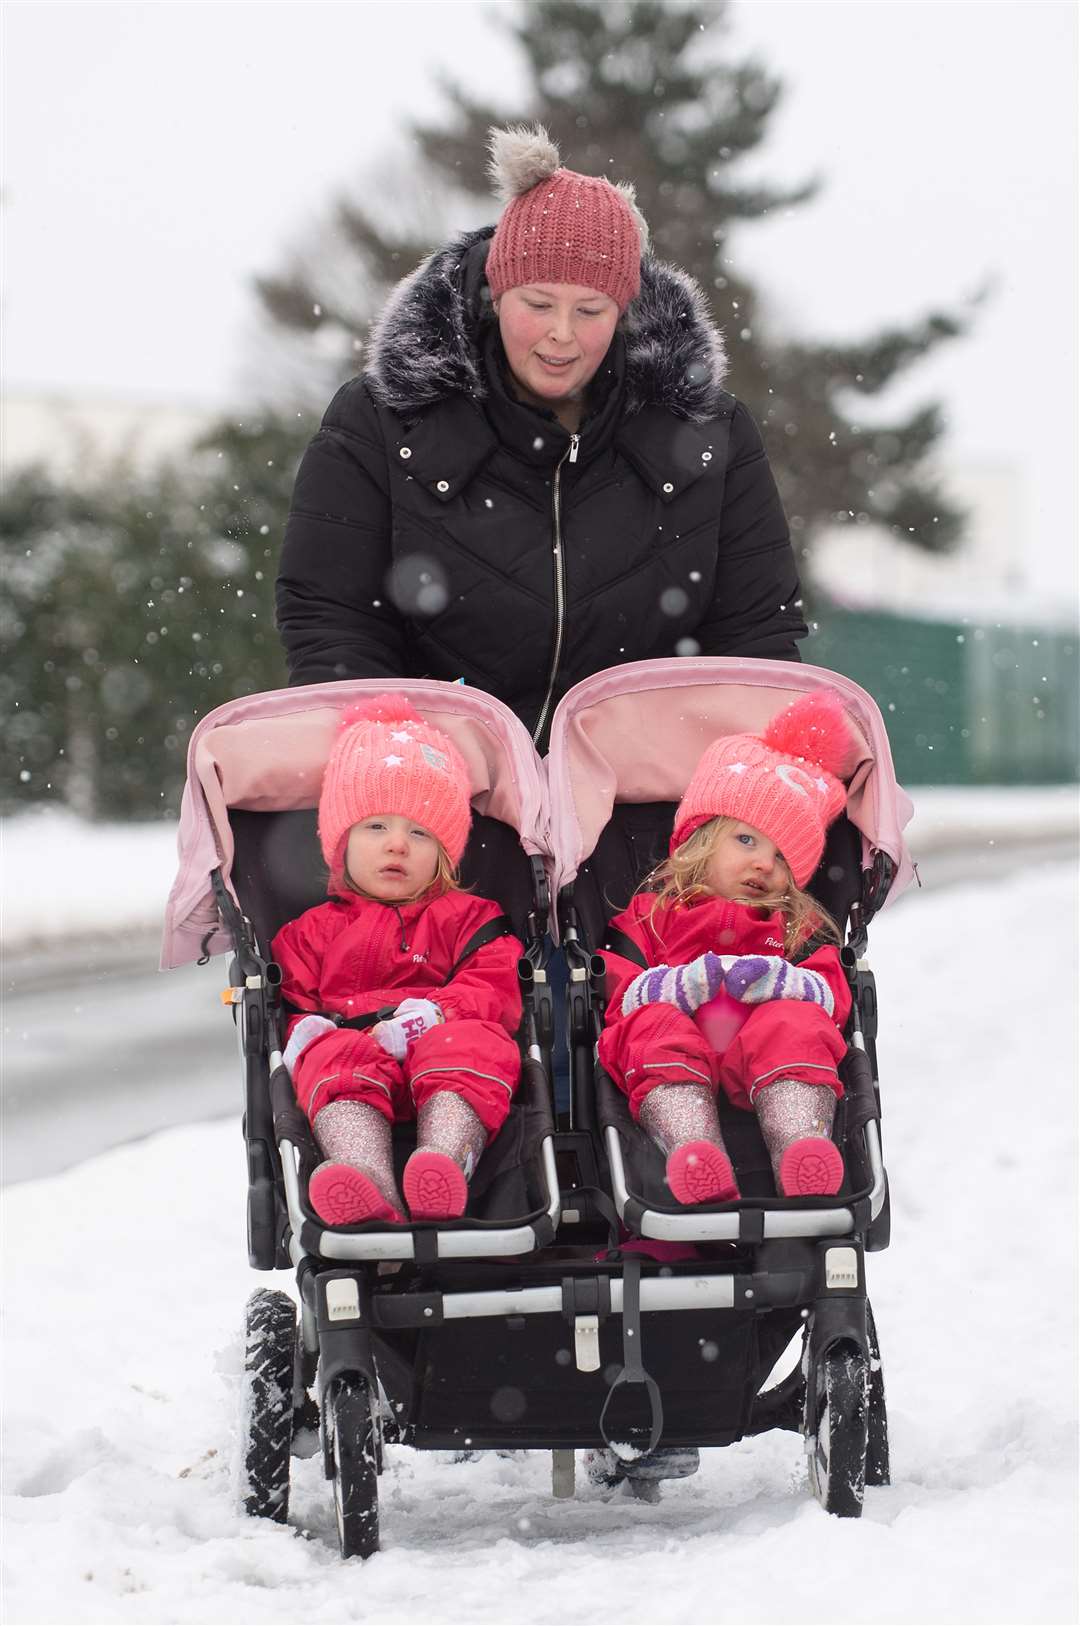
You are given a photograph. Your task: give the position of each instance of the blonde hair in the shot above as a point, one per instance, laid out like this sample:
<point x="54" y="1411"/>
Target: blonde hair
<point x="680" y="878"/>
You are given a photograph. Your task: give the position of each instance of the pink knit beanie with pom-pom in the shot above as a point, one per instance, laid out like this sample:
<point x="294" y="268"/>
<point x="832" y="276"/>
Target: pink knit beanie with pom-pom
<point x="386" y="759"/>
<point x="785" y="782"/>
<point x="559" y="226"/>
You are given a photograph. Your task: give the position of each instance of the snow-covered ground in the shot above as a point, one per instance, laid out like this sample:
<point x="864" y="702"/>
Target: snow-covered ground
<point x="125" y="1279"/>
<point x="64" y="878"/>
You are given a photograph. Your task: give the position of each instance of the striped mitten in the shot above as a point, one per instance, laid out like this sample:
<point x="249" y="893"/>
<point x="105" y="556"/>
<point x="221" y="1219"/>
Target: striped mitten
<point x="686" y="986"/>
<point x="755" y="978"/>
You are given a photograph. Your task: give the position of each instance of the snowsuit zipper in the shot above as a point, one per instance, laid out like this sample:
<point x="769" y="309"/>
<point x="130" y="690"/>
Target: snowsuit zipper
<point x="570" y="455"/>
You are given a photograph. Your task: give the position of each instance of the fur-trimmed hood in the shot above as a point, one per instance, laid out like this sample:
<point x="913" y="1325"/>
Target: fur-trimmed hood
<point x="425" y="344"/>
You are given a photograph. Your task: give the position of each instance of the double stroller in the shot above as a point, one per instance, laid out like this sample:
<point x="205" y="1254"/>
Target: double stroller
<point x="574" y="1305"/>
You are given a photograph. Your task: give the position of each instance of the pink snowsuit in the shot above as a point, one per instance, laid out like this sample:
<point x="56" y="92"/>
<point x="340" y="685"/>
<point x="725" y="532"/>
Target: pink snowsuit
<point x="354" y="955"/>
<point x="660" y="1044"/>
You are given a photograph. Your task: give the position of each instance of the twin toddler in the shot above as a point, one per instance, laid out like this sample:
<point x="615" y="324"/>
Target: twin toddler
<point x="742" y="987"/>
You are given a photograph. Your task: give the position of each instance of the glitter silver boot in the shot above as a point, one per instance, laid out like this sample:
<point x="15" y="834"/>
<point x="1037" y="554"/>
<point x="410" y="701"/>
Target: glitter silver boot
<point x="682" y="1120"/>
<point x="357" y="1181"/>
<point x="796" y="1122"/>
<point x="449" y="1141"/>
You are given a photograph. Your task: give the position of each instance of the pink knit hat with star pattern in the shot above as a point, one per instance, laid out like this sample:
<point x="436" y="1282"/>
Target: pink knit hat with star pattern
<point x="559" y="226"/>
<point x="784" y="782"/>
<point x="386" y="759"/>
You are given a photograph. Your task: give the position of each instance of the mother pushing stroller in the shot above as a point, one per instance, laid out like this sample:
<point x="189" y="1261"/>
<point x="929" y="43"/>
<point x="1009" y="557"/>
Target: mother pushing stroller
<point x="539" y="474"/>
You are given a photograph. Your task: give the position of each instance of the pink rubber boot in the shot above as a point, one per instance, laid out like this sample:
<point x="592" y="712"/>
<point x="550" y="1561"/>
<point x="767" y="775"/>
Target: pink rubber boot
<point x="796" y="1122"/>
<point x="357" y="1181"/>
<point x="449" y="1141"/>
<point x="682" y="1120"/>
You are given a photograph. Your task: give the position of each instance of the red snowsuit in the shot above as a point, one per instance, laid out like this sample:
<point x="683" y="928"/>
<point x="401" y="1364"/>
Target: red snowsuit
<point x="355" y="954"/>
<point x="660" y="1044"/>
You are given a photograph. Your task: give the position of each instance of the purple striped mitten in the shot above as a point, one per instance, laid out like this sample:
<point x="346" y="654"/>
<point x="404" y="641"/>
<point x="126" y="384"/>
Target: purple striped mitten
<point x="755" y="978"/>
<point x="687" y="986"/>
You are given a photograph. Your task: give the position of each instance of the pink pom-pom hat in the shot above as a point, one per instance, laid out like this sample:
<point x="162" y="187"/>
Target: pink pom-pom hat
<point x="784" y="782"/>
<point x="386" y="759"/>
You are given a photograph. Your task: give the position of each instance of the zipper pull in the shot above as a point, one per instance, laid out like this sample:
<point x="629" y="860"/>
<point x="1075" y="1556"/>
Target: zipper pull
<point x="575" y="442"/>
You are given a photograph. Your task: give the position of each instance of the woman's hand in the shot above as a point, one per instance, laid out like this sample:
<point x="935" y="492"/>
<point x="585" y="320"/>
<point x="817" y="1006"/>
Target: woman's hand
<point x="755" y="978"/>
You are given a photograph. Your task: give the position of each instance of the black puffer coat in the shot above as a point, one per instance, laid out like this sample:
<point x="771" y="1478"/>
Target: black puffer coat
<point x="440" y="528"/>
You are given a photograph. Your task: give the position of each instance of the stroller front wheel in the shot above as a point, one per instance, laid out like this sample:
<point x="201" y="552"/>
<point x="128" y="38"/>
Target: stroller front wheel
<point x="354" y="1459"/>
<point x="836" y="1430"/>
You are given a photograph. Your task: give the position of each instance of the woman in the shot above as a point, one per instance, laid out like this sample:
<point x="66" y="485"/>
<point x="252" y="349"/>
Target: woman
<point x="539" y="475"/>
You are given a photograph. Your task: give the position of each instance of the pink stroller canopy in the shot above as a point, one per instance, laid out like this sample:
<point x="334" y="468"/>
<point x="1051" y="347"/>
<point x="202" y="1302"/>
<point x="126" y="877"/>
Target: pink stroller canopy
<point x="635" y="733"/>
<point x="267" y="752"/>
<point x="630" y="734"/>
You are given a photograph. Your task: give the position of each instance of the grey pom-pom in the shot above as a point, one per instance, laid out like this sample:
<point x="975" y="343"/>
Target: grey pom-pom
<point x="520" y="159"/>
<point x="626" y="189"/>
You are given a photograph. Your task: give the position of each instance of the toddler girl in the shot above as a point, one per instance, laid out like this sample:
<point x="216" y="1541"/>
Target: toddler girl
<point x="394" y="818"/>
<point x="725" y="914"/>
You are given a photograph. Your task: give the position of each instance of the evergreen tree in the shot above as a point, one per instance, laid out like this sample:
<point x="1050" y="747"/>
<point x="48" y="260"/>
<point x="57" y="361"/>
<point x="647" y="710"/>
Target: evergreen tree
<point x="133" y="605"/>
<point x="641" y="90"/>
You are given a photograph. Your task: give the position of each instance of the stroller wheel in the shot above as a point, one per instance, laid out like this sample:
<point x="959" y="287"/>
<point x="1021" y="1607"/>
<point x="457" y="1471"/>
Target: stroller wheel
<point x="836" y="1430"/>
<point x="354" y="1455"/>
<point x="266" y="1403"/>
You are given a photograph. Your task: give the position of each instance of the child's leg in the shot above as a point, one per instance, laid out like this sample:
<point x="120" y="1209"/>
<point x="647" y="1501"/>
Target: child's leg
<point x="661" y="1060"/>
<point x="349" y="1087"/>
<point x="784" y="1061"/>
<point x="462" y="1076"/>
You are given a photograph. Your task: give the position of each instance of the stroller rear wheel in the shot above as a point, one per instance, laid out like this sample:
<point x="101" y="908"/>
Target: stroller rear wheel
<point x="266" y="1403"/>
<point x="837" y="1430"/>
<point x="353" y="1453"/>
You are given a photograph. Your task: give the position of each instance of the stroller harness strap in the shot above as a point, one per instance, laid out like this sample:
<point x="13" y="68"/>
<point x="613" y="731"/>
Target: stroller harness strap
<point x="500" y="926"/>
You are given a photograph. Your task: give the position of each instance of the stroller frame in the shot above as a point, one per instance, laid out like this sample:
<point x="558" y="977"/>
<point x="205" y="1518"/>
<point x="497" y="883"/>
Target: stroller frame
<point x="445" y="1335"/>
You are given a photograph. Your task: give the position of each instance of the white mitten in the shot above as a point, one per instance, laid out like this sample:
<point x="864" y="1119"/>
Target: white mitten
<point x="409" y="1022"/>
<point x="307" y="1029"/>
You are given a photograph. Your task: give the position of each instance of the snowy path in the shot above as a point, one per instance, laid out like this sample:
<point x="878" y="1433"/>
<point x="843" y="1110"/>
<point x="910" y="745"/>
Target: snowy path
<point x="125" y="1279"/>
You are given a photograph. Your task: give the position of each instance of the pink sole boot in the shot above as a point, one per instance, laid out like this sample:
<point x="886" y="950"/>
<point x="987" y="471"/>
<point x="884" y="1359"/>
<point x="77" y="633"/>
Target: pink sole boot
<point x="342" y="1195"/>
<point x="810" y="1168"/>
<point x="682" y="1120"/>
<point x="357" y="1180"/>
<point x="796" y="1122"/>
<point x="449" y="1141"/>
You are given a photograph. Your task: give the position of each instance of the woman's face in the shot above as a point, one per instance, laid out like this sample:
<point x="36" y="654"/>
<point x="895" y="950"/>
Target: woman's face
<point x="555" y="335"/>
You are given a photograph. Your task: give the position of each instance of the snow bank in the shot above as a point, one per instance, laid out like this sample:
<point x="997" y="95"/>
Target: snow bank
<point x="125" y="1280"/>
<point x="949" y="817"/>
<point x="65" y="878"/>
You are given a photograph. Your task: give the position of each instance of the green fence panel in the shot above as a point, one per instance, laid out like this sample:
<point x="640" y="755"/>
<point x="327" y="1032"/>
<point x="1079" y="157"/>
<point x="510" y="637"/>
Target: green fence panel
<point x="965" y="704"/>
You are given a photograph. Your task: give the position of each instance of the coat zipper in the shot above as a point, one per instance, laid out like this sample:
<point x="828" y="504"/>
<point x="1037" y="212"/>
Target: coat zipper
<point x="570" y="455"/>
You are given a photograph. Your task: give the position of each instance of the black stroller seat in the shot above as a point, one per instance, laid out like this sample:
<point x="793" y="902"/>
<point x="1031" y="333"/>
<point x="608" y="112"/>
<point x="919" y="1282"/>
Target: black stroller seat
<point x="635" y="839"/>
<point x="278" y="872"/>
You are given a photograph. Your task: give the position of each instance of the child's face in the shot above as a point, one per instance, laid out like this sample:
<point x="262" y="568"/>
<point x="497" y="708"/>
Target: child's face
<point x="390" y="857"/>
<point x="745" y="865"/>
